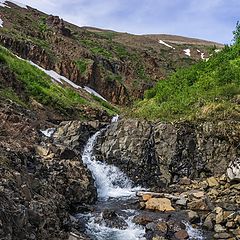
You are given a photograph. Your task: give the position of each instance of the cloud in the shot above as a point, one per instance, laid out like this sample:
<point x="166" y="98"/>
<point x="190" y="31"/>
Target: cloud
<point x="207" y="19"/>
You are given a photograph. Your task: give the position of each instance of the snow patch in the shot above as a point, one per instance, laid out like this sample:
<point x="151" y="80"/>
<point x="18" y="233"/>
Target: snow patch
<point x="93" y="92"/>
<point x="198" y="51"/>
<point x="52" y="74"/>
<point x="55" y="76"/>
<point x="3" y="3"/>
<point x="202" y="56"/>
<point x="187" y="52"/>
<point x="167" y="45"/>
<point x="1" y="22"/>
<point x="217" y="50"/>
<point x="115" y="119"/>
<point x="48" y="132"/>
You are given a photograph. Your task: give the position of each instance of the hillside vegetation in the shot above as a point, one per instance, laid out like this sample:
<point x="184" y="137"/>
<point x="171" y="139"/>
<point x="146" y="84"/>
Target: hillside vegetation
<point x="207" y="90"/>
<point x="22" y="83"/>
<point x="119" y="66"/>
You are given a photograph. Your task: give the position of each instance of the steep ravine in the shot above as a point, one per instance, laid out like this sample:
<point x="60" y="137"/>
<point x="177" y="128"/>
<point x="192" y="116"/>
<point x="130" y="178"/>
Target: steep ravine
<point x="194" y="168"/>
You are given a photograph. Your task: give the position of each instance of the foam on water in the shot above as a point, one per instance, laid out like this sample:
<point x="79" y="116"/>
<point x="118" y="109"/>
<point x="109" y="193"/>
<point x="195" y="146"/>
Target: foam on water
<point x="194" y="233"/>
<point x="99" y="230"/>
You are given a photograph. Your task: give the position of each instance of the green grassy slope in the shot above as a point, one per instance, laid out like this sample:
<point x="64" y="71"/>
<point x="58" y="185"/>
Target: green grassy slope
<point x="208" y="90"/>
<point x="37" y="85"/>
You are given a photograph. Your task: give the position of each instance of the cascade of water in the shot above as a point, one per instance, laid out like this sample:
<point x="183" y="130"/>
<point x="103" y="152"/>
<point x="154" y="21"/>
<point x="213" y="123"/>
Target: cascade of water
<point x="111" y="184"/>
<point x="109" y="180"/>
<point x="113" y="187"/>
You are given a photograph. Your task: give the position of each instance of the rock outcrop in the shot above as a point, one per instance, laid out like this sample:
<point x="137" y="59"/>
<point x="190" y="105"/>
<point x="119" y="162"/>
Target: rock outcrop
<point x="163" y="153"/>
<point x="42" y="180"/>
<point x="130" y="145"/>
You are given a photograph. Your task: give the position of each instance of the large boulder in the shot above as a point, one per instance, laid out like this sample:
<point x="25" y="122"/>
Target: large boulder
<point x="130" y="145"/>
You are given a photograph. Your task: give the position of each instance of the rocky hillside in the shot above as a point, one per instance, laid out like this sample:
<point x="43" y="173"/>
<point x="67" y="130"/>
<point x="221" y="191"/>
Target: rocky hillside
<point x="119" y="66"/>
<point x="60" y="84"/>
<point x="208" y="90"/>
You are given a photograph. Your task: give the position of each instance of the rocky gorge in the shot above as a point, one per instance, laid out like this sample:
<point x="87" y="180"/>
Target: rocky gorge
<point x="191" y="173"/>
<point x="71" y="168"/>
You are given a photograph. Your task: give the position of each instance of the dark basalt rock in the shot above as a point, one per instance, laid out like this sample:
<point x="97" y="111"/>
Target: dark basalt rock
<point x="112" y="220"/>
<point x="154" y="155"/>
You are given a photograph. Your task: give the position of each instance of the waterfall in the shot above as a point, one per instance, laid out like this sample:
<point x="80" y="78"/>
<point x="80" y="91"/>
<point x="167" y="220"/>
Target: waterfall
<point x="114" y="188"/>
<point x="109" y="180"/>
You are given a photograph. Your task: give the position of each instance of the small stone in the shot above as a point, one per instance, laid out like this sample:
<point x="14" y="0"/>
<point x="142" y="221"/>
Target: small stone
<point x="222" y="235"/>
<point x="158" y="238"/>
<point x="146" y="197"/>
<point x="213" y="192"/>
<point x="182" y="234"/>
<point x="162" y="227"/>
<point x="212" y="182"/>
<point x="193" y="217"/>
<point x="142" y="220"/>
<point x="181" y="202"/>
<point x="219" y="218"/>
<point x="185" y="181"/>
<point x="160" y="204"/>
<point x="219" y="228"/>
<point x="230" y="224"/>
<point x="142" y="205"/>
<point x="203" y="184"/>
<point x="26" y="192"/>
<point x="151" y="226"/>
<point x="236" y="186"/>
<point x="18" y="179"/>
<point x="73" y="236"/>
<point x="198" y="194"/>
<point x="223" y="178"/>
<point x="208" y="222"/>
<point x="198" y="205"/>
<point x="218" y="210"/>
<point x="42" y="151"/>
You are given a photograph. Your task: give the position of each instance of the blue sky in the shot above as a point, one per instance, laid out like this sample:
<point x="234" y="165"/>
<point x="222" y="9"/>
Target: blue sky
<point x="207" y="19"/>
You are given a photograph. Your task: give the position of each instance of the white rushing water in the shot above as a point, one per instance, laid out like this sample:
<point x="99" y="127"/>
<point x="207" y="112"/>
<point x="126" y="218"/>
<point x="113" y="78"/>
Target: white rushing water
<point x="109" y="180"/>
<point x="114" y="189"/>
<point x="111" y="184"/>
<point x="101" y="232"/>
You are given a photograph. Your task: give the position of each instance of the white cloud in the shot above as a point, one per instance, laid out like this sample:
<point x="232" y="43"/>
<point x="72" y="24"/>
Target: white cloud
<point x="208" y="19"/>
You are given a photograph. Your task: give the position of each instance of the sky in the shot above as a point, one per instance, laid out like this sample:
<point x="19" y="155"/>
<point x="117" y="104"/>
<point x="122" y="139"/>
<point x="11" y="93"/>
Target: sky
<point x="205" y="19"/>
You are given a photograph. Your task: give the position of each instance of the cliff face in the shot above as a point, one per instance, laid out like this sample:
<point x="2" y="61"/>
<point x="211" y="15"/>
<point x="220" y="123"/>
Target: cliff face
<point x="119" y="66"/>
<point x="162" y="153"/>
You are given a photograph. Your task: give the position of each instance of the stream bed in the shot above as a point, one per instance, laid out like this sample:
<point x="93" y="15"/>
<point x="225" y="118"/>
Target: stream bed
<point x="112" y="216"/>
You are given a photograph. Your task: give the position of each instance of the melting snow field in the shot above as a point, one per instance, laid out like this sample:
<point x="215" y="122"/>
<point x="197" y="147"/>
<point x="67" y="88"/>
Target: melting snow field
<point x="167" y="45"/>
<point x="91" y="91"/>
<point x="187" y="52"/>
<point x="4" y="4"/>
<point x="59" y="78"/>
<point x="55" y="76"/>
<point x="1" y="22"/>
